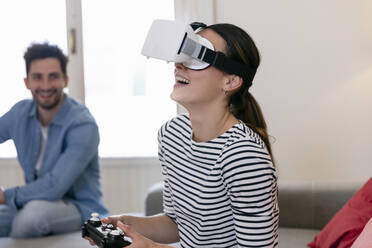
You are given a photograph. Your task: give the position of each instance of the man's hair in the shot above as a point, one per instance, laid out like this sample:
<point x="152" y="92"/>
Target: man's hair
<point x="43" y="51"/>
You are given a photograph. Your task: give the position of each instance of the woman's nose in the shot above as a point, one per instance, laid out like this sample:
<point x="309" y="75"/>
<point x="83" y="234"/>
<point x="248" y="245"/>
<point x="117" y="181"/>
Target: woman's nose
<point x="180" y="66"/>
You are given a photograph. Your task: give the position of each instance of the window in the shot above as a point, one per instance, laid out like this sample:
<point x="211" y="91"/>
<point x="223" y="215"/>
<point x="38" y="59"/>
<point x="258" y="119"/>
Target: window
<point x="23" y="22"/>
<point x="127" y="94"/>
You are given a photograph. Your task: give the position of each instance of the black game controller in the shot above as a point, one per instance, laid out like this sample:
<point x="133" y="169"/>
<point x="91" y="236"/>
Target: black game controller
<point x="104" y="235"/>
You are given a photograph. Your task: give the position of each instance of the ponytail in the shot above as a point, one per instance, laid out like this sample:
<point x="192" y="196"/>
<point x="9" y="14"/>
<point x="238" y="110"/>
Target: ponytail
<point x="241" y="48"/>
<point x="245" y="108"/>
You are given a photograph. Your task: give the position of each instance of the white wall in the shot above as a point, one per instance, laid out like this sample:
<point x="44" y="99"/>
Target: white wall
<point x="314" y="83"/>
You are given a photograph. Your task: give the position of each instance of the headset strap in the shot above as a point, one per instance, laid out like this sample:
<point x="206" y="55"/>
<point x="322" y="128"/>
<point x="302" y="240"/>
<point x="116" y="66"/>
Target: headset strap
<point x="216" y="59"/>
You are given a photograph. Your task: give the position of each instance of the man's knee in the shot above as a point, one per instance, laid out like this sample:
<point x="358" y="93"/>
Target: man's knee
<point x="30" y="221"/>
<point x="6" y="219"/>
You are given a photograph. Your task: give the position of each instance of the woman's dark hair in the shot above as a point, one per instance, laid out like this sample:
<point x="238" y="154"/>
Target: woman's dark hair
<point x="43" y="51"/>
<point x="241" y="48"/>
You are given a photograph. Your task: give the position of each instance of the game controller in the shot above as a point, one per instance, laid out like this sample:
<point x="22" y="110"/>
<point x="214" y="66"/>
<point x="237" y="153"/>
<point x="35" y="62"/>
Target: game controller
<point x="104" y="235"/>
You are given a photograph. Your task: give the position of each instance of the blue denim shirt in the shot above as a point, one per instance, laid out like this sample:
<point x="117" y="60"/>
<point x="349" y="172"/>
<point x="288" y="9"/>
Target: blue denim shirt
<point x="70" y="168"/>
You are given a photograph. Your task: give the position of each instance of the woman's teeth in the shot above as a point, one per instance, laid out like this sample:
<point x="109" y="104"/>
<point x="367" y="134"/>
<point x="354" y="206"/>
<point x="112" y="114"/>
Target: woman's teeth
<point x="183" y="81"/>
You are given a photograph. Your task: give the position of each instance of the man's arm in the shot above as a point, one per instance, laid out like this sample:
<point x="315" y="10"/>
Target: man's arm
<point x="5" y="126"/>
<point x="7" y="123"/>
<point x="81" y="146"/>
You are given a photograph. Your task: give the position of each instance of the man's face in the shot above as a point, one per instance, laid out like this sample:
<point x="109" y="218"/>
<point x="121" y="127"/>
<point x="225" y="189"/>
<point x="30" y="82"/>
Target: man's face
<point x="46" y="81"/>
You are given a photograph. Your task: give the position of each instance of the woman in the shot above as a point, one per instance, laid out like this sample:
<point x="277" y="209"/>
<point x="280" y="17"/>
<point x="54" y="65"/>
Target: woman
<point x="219" y="179"/>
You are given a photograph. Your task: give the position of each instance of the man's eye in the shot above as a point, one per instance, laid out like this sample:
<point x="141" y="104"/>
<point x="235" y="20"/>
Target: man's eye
<point x="36" y="77"/>
<point x="54" y="76"/>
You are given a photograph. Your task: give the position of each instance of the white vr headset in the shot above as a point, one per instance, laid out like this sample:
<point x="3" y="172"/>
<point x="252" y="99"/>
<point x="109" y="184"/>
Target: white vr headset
<point x="174" y="41"/>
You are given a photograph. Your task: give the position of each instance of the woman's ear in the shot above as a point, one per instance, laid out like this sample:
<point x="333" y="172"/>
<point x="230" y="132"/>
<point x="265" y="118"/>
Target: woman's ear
<point x="233" y="83"/>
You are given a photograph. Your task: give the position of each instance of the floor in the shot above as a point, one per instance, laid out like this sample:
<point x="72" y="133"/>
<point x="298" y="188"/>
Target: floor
<point x="70" y="240"/>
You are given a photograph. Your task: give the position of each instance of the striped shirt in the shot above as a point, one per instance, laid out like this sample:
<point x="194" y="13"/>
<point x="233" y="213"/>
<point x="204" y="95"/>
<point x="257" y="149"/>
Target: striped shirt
<point x="221" y="193"/>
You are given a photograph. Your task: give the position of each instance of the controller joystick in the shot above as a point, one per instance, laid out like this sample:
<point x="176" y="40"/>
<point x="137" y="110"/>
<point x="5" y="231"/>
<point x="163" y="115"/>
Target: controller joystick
<point x="104" y="235"/>
<point x="94" y="220"/>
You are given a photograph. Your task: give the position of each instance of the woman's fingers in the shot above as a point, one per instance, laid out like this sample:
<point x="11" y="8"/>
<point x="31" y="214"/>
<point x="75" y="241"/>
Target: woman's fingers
<point x="91" y="242"/>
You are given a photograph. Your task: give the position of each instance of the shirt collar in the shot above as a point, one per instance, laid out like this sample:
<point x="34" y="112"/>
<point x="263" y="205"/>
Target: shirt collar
<point x="60" y="116"/>
<point x="33" y="112"/>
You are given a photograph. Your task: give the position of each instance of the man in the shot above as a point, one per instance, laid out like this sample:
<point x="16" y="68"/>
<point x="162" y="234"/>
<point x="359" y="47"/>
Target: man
<point x="56" y="139"/>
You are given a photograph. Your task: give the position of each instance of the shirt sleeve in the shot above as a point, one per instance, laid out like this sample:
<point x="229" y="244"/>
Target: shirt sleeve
<point x="82" y="142"/>
<point x="6" y="124"/>
<point x="250" y="180"/>
<point x="167" y="200"/>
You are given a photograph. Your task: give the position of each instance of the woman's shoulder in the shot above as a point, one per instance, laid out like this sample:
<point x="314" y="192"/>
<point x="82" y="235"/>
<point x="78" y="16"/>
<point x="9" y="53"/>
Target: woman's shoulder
<point x="244" y="147"/>
<point x="244" y="141"/>
<point x="243" y="134"/>
<point x="181" y="122"/>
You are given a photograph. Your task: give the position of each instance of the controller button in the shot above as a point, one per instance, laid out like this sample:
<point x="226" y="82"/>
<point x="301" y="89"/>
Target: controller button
<point x="120" y="231"/>
<point x="115" y="233"/>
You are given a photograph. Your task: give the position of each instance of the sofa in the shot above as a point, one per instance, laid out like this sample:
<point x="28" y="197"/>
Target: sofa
<point x="305" y="207"/>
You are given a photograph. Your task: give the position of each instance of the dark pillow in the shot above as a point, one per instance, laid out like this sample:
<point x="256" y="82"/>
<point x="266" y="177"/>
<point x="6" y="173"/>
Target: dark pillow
<point x="346" y="225"/>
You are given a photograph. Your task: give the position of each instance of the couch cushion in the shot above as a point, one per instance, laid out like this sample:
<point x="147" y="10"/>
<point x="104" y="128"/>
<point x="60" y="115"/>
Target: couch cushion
<point x="347" y="224"/>
<point x="295" y="237"/>
<point x="154" y="199"/>
<point x="312" y="204"/>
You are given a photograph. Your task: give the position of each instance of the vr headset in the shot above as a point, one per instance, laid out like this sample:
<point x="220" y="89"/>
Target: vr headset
<point x="174" y="41"/>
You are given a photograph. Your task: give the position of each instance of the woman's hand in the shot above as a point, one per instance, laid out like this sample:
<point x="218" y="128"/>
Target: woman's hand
<point x="159" y="228"/>
<point x="91" y="242"/>
<point x="107" y="220"/>
<point x="113" y="219"/>
<point x="138" y="241"/>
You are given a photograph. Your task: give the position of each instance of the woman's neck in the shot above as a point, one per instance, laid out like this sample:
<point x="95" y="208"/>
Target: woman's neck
<point x="208" y="125"/>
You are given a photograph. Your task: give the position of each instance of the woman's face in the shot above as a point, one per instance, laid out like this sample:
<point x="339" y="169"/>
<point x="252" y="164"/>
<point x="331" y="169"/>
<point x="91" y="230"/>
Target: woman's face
<point x="200" y="87"/>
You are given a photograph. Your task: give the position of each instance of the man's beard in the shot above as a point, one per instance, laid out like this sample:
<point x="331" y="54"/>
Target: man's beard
<point x="49" y="106"/>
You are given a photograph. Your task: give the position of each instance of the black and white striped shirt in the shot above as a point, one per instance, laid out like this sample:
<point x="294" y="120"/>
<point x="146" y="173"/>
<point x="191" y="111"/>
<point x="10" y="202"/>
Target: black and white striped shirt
<point x="221" y="193"/>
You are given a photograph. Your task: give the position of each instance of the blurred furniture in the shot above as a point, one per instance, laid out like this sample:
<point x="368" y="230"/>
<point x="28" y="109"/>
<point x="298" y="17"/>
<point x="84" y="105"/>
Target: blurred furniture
<point x="305" y="208"/>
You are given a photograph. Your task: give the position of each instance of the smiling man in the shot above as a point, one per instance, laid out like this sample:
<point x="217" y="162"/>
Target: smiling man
<point x="56" y="139"/>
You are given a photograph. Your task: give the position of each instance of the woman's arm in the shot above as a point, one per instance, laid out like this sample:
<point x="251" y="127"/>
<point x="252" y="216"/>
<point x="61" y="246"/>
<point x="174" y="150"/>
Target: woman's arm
<point x="158" y="228"/>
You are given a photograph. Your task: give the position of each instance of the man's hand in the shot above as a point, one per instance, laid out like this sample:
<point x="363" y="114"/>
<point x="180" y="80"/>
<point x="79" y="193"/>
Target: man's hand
<point x="2" y="199"/>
